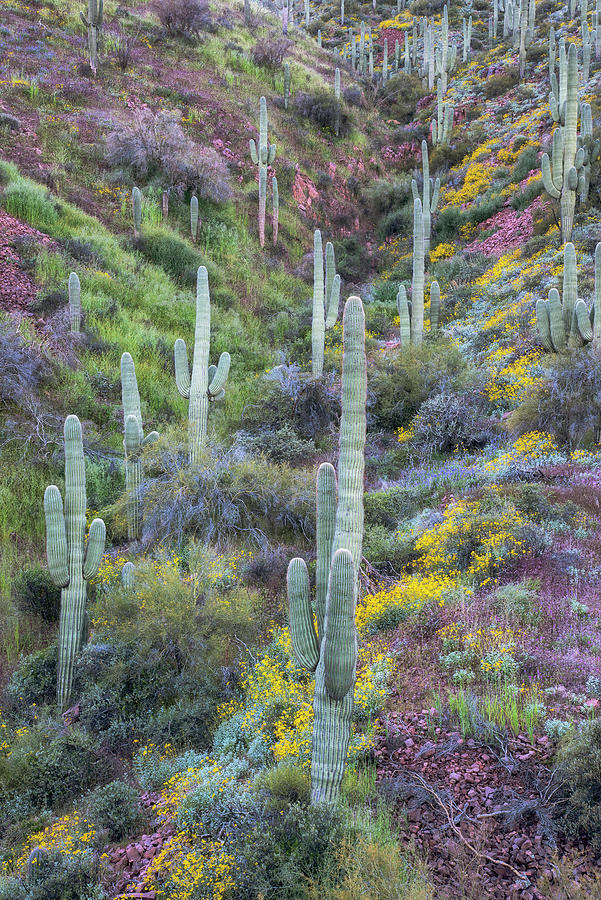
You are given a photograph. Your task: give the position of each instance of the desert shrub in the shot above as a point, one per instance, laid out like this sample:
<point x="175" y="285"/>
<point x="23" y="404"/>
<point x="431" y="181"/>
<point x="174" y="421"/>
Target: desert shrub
<point x="382" y="196"/>
<point x="218" y="801"/>
<point x="33" y="683"/>
<point x="379" y="317"/>
<point x="322" y="109"/>
<point x="390" y="506"/>
<point x="397" y="221"/>
<point x="72" y="876"/>
<point x="270" y="52"/>
<point x="284" y="849"/>
<point x="448" y="223"/>
<point x="568" y="405"/>
<point x="114" y="808"/>
<point x="525" y="163"/>
<point x="167" y="249"/>
<point x="184" y="17"/>
<point x="20" y="368"/>
<point x="285" y="784"/>
<point x="401" y="95"/>
<point x="224" y="498"/>
<point x="401" y="383"/>
<point x="283" y="445"/>
<point x="105" y="481"/>
<point x="483" y="209"/>
<point x="30" y="202"/>
<point x="385" y="551"/>
<point x="501" y="83"/>
<point x="353" y="95"/>
<point x="519" y="601"/>
<point x="352" y="259"/>
<point x="155" y="144"/>
<point x="448" y="422"/>
<point x="33" y="591"/>
<point x="580" y="771"/>
<point x="12" y="888"/>
<point x="524" y="198"/>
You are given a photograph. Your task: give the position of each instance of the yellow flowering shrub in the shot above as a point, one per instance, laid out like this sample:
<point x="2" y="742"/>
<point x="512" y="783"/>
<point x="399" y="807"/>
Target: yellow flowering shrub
<point x="530" y="447"/>
<point x="442" y="251"/>
<point x="71" y="835"/>
<point x="478" y="178"/>
<point x="391" y="605"/>
<point x="511" y="379"/>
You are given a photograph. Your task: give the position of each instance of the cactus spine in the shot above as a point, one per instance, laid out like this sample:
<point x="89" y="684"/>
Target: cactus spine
<point x="194" y="217"/>
<point x="136" y="204"/>
<point x="430" y="195"/>
<point x="567" y="323"/>
<point x="75" y="303"/>
<point x="560" y="174"/>
<point x="331" y="651"/>
<point x="94" y="25"/>
<point x="71" y="562"/>
<point x="133" y="443"/>
<point x="204" y="383"/>
<point x="326" y="297"/>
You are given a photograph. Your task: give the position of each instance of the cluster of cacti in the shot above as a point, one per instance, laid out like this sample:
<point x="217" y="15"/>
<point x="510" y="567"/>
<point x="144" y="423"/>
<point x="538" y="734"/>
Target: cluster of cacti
<point x="566" y="323"/>
<point x="94" y="24"/>
<point x="136" y="205"/>
<point x="590" y="147"/>
<point x="331" y="650"/>
<point x="194" y="220"/>
<point x="467" y="38"/>
<point x="518" y="22"/>
<point x="204" y="383"/>
<point x="71" y="561"/>
<point x="445" y="55"/>
<point x="442" y="125"/>
<point x="262" y="156"/>
<point x="562" y="172"/>
<point x="430" y="195"/>
<point x="133" y="444"/>
<point x="405" y="310"/>
<point x="74" y="288"/>
<point x="326" y="297"/>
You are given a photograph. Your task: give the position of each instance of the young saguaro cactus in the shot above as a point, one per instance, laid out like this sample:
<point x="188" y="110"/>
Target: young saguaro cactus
<point x="71" y="561"/>
<point x="133" y="444"/>
<point x="75" y="303"/>
<point x="194" y="220"/>
<point x="331" y="650"/>
<point x="205" y="383"/>
<point x="430" y="195"/>
<point x="326" y="297"/>
<point x="570" y="324"/>
<point x="276" y="208"/>
<point x="286" y="85"/>
<point x="262" y="156"/>
<point x="94" y="23"/>
<point x="136" y="205"/>
<point x="561" y="172"/>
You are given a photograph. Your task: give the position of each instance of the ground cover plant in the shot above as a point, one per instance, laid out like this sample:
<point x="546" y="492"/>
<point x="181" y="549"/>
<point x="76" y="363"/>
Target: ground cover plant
<point x="300" y="531"/>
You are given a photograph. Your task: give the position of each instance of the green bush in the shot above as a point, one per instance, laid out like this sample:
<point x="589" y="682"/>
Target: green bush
<point x="352" y="259"/>
<point x="33" y="683"/>
<point x="172" y="253"/>
<point x="519" y="601"/>
<point x="285" y="784"/>
<point x="31" y="202"/>
<point x="397" y="221"/>
<point x="580" y="771"/>
<point x="115" y="808"/>
<point x="12" y="888"/>
<point x="281" y="446"/>
<point x="400" y="96"/>
<point x="33" y="591"/>
<point x="525" y="163"/>
<point x="501" y="83"/>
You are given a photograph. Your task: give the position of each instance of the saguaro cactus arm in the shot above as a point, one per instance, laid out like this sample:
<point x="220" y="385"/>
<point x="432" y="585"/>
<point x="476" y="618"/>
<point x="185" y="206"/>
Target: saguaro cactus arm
<point x="326" y="522"/>
<point x="182" y="368"/>
<point x="56" y="537"/>
<point x="340" y="633"/>
<point x="302" y="629"/>
<point x="94" y="548"/>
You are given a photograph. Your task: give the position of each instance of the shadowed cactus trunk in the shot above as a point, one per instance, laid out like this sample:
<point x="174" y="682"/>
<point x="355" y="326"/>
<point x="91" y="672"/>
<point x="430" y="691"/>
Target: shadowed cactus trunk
<point x="71" y="561"/>
<point x="204" y="383"/>
<point x="331" y="651"/>
<point x="133" y="444"/>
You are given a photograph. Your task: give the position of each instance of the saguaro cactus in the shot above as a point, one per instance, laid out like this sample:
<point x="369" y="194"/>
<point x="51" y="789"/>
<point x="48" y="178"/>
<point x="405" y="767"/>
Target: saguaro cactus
<point x="442" y="125"/>
<point x="94" y="25"/>
<point x="71" y="562"/>
<point x="194" y="217"/>
<point x="286" y="84"/>
<point x="136" y="205"/>
<point x="326" y="296"/>
<point x="430" y="195"/>
<point x="75" y="303"/>
<point x="128" y="576"/>
<point x="591" y="149"/>
<point x="560" y="174"/>
<point x="467" y="39"/>
<point x="570" y="324"/>
<point x="446" y="56"/>
<point x="337" y="97"/>
<point x="434" y="307"/>
<point x="331" y="650"/>
<point x="133" y="444"/>
<point x="276" y="208"/>
<point x="205" y="383"/>
<point x="417" y="282"/>
<point x="262" y="156"/>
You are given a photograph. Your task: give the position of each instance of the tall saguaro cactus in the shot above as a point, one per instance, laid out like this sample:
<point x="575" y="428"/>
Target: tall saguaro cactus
<point x="430" y="195"/>
<point x="442" y="125"/>
<point x="262" y="156"/>
<point x="75" y="303"/>
<point x="133" y="444"/>
<point x="561" y="172"/>
<point x="94" y="23"/>
<point x="71" y="561"/>
<point x="326" y="297"/>
<point x="331" y="650"/>
<point x="136" y="206"/>
<point x="417" y="282"/>
<point x="205" y="383"/>
<point x="567" y="323"/>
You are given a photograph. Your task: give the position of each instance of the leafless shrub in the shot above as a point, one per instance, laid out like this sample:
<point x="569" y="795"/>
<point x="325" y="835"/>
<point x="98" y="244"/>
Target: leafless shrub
<point x="155" y="144"/>
<point x="186" y="18"/>
<point x="270" y="52"/>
